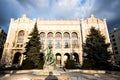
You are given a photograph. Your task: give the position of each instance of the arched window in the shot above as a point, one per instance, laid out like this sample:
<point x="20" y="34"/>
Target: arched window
<point x="20" y="36"/>
<point x="66" y="40"/>
<point x="42" y="39"/>
<point x="58" y="37"/>
<point x="50" y="38"/>
<point x="74" y="40"/>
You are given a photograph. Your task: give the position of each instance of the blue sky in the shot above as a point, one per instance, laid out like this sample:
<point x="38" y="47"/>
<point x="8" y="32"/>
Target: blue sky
<point x="60" y="9"/>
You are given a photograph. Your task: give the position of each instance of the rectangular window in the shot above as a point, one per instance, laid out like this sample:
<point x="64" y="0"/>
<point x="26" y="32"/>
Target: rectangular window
<point x="112" y="36"/>
<point x="114" y="44"/>
<point x="113" y="39"/>
<point x="115" y="48"/>
<point x="116" y="52"/>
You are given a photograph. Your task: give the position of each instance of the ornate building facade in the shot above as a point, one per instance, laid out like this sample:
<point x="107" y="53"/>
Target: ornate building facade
<point x="65" y="36"/>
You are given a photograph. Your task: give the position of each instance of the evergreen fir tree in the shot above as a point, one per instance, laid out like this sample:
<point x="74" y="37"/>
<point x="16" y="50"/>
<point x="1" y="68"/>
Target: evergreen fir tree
<point x="33" y="47"/>
<point x="96" y="50"/>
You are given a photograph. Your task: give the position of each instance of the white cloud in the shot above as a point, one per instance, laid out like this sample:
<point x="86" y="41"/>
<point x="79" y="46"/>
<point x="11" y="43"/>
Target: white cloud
<point x="70" y="9"/>
<point x="59" y="9"/>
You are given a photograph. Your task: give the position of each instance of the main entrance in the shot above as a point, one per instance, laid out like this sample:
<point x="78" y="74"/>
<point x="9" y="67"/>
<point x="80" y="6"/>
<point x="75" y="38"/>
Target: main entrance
<point x="17" y="58"/>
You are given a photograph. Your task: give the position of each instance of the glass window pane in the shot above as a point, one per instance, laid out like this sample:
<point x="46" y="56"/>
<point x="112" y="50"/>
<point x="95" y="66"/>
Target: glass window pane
<point x="66" y="40"/>
<point x="20" y="37"/>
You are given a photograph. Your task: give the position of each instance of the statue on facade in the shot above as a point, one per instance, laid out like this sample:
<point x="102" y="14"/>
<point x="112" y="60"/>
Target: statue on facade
<point x="50" y="62"/>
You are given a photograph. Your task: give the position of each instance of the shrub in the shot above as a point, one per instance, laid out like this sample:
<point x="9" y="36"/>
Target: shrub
<point x="27" y="64"/>
<point x="70" y="64"/>
<point x="87" y="64"/>
<point x="40" y="65"/>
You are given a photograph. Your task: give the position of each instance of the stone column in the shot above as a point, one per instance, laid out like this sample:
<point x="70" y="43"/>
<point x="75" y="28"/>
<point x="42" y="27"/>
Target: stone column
<point x="62" y="59"/>
<point x="62" y="41"/>
<point x="70" y="41"/>
<point x="45" y="46"/>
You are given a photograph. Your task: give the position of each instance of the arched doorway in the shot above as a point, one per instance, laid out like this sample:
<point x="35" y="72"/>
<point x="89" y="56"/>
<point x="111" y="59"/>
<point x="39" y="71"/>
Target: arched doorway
<point x="58" y="59"/>
<point x="17" y="58"/>
<point x="66" y="57"/>
<point x="76" y="57"/>
<point x="41" y="56"/>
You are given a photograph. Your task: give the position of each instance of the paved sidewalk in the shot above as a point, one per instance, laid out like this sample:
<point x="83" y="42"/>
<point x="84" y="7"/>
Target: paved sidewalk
<point x="73" y="76"/>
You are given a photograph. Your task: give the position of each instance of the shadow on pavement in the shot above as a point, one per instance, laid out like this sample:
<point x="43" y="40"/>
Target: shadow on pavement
<point x="51" y="77"/>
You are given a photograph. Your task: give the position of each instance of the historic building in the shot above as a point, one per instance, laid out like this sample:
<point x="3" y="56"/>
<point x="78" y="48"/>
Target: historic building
<point x="65" y="36"/>
<point x="3" y="36"/>
<point x="115" y="40"/>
